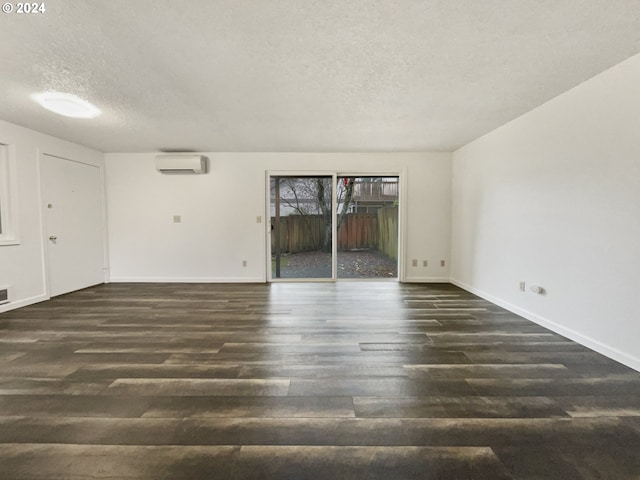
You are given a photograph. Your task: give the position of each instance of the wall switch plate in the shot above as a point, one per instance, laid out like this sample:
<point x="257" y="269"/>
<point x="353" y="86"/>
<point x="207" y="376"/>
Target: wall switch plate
<point x="244" y="263"/>
<point x="522" y="286"/>
<point x="442" y="263"/>
<point x="259" y="219"/>
<point x="414" y="262"/>
<point x="177" y="219"/>
<point x="425" y="263"/>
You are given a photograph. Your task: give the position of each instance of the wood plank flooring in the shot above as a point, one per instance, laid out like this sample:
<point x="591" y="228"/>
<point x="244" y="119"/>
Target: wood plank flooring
<point x="354" y="380"/>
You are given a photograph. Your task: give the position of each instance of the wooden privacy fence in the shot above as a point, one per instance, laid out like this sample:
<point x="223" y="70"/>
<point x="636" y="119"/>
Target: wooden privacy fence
<point x="303" y="233"/>
<point x="388" y="231"/>
<point x="299" y="233"/>
<point x="358" y="230"/>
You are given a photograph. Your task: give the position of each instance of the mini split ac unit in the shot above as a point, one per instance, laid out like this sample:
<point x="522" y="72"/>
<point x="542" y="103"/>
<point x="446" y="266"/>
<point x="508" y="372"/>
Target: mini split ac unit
<point x="181" y="164"/>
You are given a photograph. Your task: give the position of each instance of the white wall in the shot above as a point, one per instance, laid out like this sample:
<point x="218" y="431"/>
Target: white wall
<point x="219" y="211"/>
<point x="22" y="266"/>
<point x="553" y="198"/>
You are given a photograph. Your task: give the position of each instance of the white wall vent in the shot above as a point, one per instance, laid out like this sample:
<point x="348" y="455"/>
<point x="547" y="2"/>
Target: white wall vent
<point x="4" y="295"/>
<point x="181" y="164"/>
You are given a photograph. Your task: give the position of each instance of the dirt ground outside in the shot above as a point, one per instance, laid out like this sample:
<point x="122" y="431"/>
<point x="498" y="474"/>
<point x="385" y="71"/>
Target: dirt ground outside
<point x="351" y="264"/>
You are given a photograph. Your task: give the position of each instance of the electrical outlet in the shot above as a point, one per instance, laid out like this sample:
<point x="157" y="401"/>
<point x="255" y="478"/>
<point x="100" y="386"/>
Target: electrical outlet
<point x="522" y="286"/>
<point x="425" y="263"/>
<point x="244" y="263"/>
<point x="177" y="219"/>
<point x="442" y="263"/>
<point x="259" y="219"/>
<point x="414" y="262"/>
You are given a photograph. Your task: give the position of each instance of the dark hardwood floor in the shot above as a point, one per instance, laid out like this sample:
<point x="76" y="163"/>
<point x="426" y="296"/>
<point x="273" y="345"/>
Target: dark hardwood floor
<point x="351" y="380"/>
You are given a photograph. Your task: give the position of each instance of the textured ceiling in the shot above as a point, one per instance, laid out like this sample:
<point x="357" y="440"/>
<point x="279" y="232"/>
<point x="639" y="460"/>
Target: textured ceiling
<point x="303" y="75"/>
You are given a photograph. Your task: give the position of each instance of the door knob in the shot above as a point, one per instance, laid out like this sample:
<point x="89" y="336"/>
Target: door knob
<point x="53" y="238"/>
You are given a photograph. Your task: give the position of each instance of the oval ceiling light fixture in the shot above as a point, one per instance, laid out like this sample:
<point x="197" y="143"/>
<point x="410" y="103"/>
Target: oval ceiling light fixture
<point x="67" y="105"/>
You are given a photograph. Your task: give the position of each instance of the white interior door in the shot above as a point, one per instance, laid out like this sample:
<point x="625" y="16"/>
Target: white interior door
<point x="72" y="196"/>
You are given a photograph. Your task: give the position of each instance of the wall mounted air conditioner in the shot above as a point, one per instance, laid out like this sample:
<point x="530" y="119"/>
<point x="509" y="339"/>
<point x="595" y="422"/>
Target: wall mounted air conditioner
<point x="181" y="164"/>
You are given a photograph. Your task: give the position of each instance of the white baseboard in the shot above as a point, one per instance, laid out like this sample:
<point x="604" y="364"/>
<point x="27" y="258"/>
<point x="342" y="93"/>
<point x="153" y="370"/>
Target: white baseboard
<point x="245" y="279"/>
<point x="187" y="280"/>
<point x="606" y="350"/>
<point x="409" y="279"/>
<point x="23" y="303"/>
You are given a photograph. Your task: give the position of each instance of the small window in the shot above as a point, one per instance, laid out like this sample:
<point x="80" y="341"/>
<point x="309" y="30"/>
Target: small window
<point x="8" y="206"/>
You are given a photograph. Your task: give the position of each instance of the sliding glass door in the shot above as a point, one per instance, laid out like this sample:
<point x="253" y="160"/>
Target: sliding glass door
<point x="301" y="227"/>
<point x="367" y="227"/>
<point x="330" y="226"/>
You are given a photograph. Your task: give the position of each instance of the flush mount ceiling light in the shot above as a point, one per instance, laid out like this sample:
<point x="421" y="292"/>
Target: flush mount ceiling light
<point x="67" y="105"/>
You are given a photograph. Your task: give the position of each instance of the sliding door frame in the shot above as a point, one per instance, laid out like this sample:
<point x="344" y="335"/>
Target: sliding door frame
<point x="334" y="248"/>
<point x="402" y="200"/>
<point x="334" y="174"/>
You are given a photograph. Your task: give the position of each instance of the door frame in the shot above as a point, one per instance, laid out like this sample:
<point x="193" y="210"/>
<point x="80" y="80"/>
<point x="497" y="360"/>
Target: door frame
<point x="401" y="174"/>
<point x="46" y="270"/>
<point x="402" y="209"/>
<point x="334" y="248"/>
